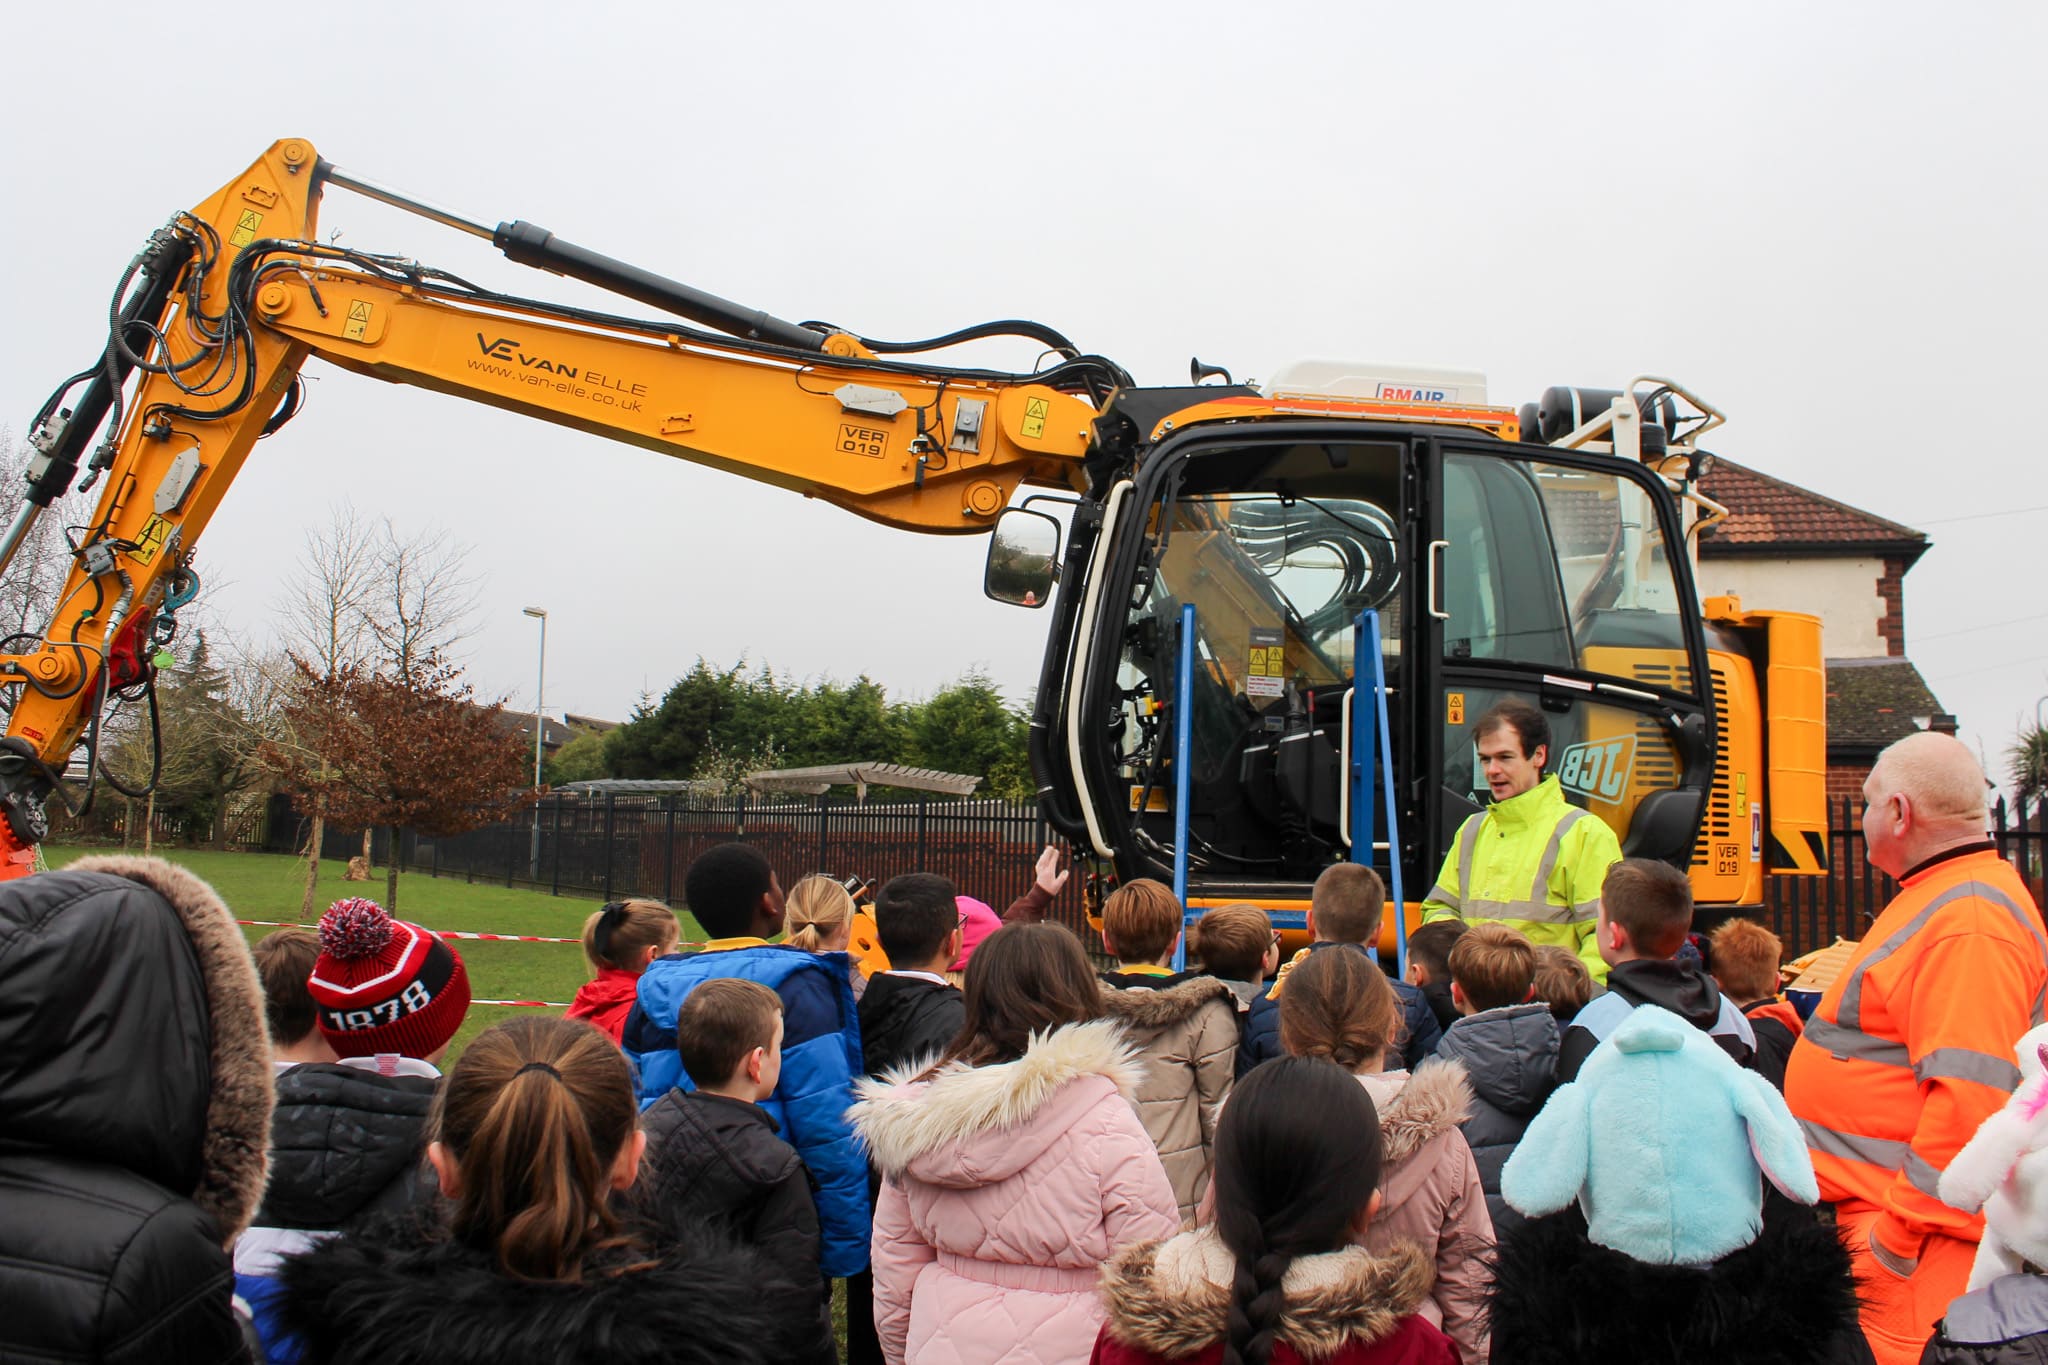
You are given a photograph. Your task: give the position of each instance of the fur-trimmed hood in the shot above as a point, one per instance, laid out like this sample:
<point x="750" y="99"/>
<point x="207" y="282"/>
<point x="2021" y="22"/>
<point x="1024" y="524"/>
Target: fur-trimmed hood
<point x="1416" y="1108"/>
<point x="132" y="1031"/>
<point x="1171" y="1298"/>
<point x="971" y="1125"/>
<point x="1144" y="1006"/>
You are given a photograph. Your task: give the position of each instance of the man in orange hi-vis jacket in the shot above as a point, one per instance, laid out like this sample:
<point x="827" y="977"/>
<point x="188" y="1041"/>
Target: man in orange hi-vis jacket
<point x="1912" y="1047"/>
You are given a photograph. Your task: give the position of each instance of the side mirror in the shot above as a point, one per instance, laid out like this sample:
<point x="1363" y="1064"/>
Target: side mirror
<point x="1023" y="558"/>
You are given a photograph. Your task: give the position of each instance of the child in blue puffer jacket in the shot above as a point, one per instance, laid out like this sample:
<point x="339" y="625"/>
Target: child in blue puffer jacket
<point x="735" y="895"/>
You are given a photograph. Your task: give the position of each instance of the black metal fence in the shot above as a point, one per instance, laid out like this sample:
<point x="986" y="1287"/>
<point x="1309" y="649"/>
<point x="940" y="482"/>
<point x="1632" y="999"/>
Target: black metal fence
<point x="610" y="847"/>
<point x="1812" y="912"/>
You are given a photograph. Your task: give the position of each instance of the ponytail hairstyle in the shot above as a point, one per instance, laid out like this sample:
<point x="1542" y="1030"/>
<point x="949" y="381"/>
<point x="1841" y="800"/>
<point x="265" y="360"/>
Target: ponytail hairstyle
<point x="616" y="935"/>
<point x="1297" y="1161"/>
<point x="535" y="1115"/>
<point x="816" y="909"/>
<point x="1023" y="980"/>
<point x="1338" y="1004"/>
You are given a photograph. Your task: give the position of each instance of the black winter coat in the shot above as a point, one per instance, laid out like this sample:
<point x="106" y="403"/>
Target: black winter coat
<point x="135" y="1095"/>
<point x="399" y="1293"/>
<point x="1773" y="1021"/>
<point x="1510" y="1057"/>
<point x="717" y="1161"/>
<point x="904" y="1019"/>
<point x="1788" y="1298"/>
<point x="345" y="1146"/>
<point x="2004" y="1323"/>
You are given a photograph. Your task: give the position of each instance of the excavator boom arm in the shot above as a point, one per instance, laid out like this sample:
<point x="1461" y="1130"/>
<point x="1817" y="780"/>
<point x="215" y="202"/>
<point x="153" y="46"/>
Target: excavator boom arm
<point x="235" y="295"/>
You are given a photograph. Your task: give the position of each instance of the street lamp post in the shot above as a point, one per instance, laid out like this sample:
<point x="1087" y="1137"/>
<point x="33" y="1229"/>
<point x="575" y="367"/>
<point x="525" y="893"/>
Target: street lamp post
<point x="539" y="710"/>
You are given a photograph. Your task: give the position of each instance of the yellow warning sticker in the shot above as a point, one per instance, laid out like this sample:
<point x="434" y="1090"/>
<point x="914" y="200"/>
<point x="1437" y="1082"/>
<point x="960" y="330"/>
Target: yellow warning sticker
<point x="1454" y="708"/>
<point x="358" y="324"/>
<point x="1265" y="673"/>
<point x="1036" y="410"/>
<point x="246" y="228"/>
<point x="151" y="540"/>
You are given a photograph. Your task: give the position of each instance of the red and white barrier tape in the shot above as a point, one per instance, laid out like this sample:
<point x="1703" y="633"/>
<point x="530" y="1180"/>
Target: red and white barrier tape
<point x="534" y="1004"/>
<point x="438" y="933"/>
<point x="449" y="933"/>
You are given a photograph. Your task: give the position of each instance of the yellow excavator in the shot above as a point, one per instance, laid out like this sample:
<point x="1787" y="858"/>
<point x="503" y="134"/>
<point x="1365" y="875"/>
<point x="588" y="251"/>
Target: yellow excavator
<point x="1544" y="551"/>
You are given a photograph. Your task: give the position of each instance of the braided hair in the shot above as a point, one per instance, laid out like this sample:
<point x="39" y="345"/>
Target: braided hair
<point x="1297" y="1161"/>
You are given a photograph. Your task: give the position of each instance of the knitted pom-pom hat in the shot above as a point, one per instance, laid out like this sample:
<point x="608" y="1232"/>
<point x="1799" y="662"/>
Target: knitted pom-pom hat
<point x="385" y="986"/>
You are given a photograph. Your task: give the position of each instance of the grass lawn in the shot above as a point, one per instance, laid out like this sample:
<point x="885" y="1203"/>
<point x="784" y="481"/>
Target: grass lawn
<point x="270" y="886"/>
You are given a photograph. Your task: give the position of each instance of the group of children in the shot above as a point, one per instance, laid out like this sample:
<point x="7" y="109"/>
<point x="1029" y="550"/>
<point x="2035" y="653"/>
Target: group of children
<point x="1008" y="1155"/>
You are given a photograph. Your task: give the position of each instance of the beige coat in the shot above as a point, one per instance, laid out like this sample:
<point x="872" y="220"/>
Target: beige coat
<point x="1186" y="1036"/>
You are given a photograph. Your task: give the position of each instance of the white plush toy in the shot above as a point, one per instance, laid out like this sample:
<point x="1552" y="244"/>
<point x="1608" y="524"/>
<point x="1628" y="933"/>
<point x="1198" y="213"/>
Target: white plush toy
<point x="2004" y="1171"/>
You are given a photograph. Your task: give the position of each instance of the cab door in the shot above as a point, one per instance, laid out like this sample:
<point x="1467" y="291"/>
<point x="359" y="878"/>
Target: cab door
<point x="1561" y="578"/>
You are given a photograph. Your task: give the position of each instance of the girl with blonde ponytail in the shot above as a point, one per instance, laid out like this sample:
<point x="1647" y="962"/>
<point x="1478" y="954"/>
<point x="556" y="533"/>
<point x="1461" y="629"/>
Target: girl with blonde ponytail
<point x="1276" y="1279"/>
<point x="534" y="1131"/>
<point x="818" y="918"/>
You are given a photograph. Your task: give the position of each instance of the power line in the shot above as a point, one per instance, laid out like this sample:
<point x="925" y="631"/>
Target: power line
<point x="1979" y="516"/>
<point x="1971" y="630"/>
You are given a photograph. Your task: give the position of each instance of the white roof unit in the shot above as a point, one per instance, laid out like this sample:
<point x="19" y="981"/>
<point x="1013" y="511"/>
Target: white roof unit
<point x="1418" y="384"/>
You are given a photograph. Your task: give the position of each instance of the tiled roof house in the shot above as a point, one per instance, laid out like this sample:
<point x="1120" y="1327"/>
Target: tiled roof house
<point x="1790" y="547"/>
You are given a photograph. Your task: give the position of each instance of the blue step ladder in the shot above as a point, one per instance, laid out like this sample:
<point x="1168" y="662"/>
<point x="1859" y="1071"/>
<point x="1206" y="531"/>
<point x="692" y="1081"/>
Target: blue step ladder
<point x="1367" y="756"/>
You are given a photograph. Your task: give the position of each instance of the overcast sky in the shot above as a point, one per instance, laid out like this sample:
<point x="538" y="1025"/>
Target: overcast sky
<point x="1828" y="219"/>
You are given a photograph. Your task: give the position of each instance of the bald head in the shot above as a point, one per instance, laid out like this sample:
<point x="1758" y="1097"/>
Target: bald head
<point x="1938" y="772"/>
<point x="1925" y="795"/>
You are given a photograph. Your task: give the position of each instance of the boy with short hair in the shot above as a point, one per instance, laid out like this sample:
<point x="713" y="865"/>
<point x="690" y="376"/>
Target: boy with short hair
<point x="1183" y="1025"/>
<point x="1745" y="957"/>
<point x="1429" y="965"/>
<point x="1645" y="914"/>
<point x="1507" y="1042"/>
<point x="713" y="1155"/>
<point x="735" y="895"/>
<point x="1344" y="910"/>
<point x="1563" y="983"/>
<point x="912" y="1012"/>
<point x="1238" y="947"/>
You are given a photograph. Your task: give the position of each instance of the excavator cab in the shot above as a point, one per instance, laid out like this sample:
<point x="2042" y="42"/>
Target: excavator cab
<point x="1497" y="566"/>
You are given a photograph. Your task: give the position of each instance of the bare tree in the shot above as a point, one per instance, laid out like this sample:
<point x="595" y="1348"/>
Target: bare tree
<point x="426" y="600"/>
<point x="363" y="599"/>
<point x="28" y="591"/>
<point x="328" y="601"/>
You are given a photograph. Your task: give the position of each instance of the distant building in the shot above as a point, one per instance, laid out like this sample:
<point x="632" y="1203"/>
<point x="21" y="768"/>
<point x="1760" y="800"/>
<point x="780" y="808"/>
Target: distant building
<point x="1789" y="547"/>
<point x="554" y="733"/>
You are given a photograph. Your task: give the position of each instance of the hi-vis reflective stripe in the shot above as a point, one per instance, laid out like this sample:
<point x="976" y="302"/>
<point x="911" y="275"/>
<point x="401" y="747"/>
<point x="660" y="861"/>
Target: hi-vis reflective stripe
<point x="1944" y="1063"/>
<point x="1536" y="908"/>
<point x="1882" y="1153"/>
<point x="1845" y="1040"/>
<point x="1850" y="1015"/>
<point x="1967" y="1064"/>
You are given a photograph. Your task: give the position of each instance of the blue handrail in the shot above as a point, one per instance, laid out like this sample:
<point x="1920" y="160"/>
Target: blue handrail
<point x="1183" y="770"/>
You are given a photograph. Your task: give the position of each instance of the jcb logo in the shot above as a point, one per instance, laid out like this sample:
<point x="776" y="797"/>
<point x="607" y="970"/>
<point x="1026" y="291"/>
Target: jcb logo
<point x="1598" y="771"/>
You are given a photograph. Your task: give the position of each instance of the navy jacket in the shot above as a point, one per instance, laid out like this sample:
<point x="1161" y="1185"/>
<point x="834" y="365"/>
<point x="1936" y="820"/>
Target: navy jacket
<point x="821" y="1058"/>
<point x="1419" y="1029"/>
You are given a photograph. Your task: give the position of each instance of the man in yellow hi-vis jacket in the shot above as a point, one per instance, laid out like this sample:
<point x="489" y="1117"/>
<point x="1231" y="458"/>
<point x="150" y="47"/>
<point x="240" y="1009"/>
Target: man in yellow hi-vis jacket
<point x="1531" y="860"/>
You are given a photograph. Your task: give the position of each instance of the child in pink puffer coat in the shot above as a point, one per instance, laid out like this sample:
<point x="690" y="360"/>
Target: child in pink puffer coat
<point x="1013" y="1169"/>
